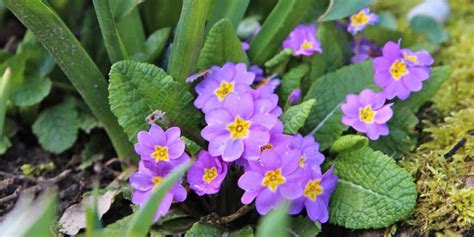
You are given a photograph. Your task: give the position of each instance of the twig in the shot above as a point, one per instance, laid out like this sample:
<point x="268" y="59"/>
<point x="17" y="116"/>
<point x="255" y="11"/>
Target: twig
<point x="22" y="177"/>
<point x="37" y="187"/>
<point x="240" y="212"/>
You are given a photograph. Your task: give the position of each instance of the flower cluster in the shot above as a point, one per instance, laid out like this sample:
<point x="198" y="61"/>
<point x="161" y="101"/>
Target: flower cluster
<point x="160" y="152"/>
<point x="399" y="72"/>
<point x="243" y="128"/>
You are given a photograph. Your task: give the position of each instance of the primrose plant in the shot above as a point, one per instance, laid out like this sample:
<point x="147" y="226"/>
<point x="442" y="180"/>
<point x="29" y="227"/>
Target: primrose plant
<point x="273" y="115"/>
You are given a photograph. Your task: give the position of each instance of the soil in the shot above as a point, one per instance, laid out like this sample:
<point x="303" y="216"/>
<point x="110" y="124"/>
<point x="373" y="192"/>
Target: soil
<point x="71" y="182"/>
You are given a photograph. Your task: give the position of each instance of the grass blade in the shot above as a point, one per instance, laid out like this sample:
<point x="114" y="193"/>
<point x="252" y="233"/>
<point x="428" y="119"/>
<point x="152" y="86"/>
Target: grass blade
<point x="113" y="43"/>
<point x="276" y="223"/>
<point x="71" y="57"/>
<point x="143" y="218"/>
<point x="188" y="38"/>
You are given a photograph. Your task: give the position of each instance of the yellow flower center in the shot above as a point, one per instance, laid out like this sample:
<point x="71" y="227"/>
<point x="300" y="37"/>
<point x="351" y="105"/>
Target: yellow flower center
<point x="273" y="179"/>
<point x="398" y="69"/>
<point x="160" y="153"/>
<point x="313" y="189"/>
<point x="209" y="174"/>
<point x="359" y="19"/>
<point x="366" y="114"/>
<point x="269" y="146"/>
<point x="411" y="58"/>
<point x="157" y="181"/>
<point x="224" y="89"/>
<point x="301" y="162"/>
<point x="307" y="45"/>
<point x="239" y="128"/>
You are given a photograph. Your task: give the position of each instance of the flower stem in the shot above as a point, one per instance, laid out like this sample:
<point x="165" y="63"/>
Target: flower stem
<point x="4" y="94"/>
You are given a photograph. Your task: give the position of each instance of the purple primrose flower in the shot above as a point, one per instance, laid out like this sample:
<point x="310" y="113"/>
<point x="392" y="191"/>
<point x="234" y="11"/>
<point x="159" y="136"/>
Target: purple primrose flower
<point x="318" y="189"/>
<point x="159" y="146"/>
<point x="272" y="179"/>
<point x="367" y="113"/>
<point x="239" y="128"/>
<point x="302" y="41"/>
<point x="294" y="97"/>
<point x="147" y="178"/>
<point x="360" y="20"/>
<point x="221" y="82"/>
<point x="308" y="150"/>
<point x="400" y="71"/>
<point x="206" y="174"/>
<point x="364" y="49"/>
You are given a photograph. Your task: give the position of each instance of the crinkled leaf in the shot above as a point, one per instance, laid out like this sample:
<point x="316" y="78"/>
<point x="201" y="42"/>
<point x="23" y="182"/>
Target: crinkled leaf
<point x="191" y="147"/>
<point x="244" y="232"/>
<point x="222" y="45"/>
<point x="138" y="89"/>
<point x="336" y="51"/>
<point x="291" y="80"/>
<point x="56" y="127"/>
<point x="339" y="9"/>
<point x="324" y="120"/>
<point x="281" y="21"/>
<point x="281" y="57"/>
<point x="203" y="229"/>
<point x="177" y="226"/>
<point x="275" y="223"/>
<point x="373" y="191"/>
<point x="304" y="227"/>
<point x="430" y="27"/>
<point x="118" y="227"/>
<point x="295" y="116"/>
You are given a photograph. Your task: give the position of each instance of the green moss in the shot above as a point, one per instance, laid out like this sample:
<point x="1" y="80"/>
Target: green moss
<point x="444" y="184"/>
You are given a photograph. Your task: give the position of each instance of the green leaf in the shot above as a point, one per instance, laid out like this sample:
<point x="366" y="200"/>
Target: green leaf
<point x="32" y="218"/>
<point x="222" y="45"/>
<point x="336" y="51"/>
<point x="291" y="80"/>
<point x="281" y="57"/>
<point x="281" y="21"/>
<point x="188" y="39"/>
<point x="304" y="227"/>
<point x="203" y="229"/>
<point x="119" y="11"/>
<point x="191" y="147"/>
<point x="71" y="57"/>
<point x="244" y="232"/>
<point x="143" y="218"/>
<point x="295" y="116"/>
<point x="348" y="142"/>
<point x="117" y="228"/>
<point x="93" y="225"/>
<point x="5" y="143"/>
<point x="138" y="89"/>
<point x="402" y="137"/>
<point x="324" y="120"/>
<point x="156" y="43"/>
<point x="275" y="223"/>
<point x="316" y="9"/>
<point x="113" y="43"/>
<point x="373" y="191"/>
<point x="233" y="10"/>
<point x="56" y="127"/>
<point x="430" y="27"/>
<point x="32" y="91"/>
<point x="339" y="9"/>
